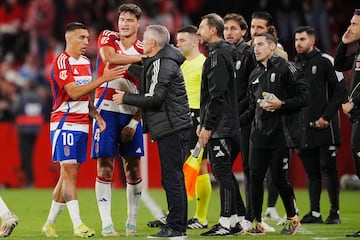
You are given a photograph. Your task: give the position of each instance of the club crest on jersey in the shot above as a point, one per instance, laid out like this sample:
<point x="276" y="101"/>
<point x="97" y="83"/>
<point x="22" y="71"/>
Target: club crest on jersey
<point x="314" y="69"/>
<point x="238" y="64"/>
<point x="272" y="77"/>
<point x="63" y="75"/>
<point x="66" y="151"/>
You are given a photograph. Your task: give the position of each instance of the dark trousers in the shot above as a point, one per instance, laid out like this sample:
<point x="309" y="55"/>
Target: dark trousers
<point x="26" y="147"/>
<point x="314" y="161"/>
<point x="277" y="160"/>
<point x="273" y="193"/>
<point x="172" y="151"/>
<point x="355" y="145"/>
<point x="222" y="154"/>
<point x="244" y="148"/>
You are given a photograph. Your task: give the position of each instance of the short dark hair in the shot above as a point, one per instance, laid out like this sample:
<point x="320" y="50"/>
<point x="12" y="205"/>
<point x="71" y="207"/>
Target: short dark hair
<point x="309" y="30"/>
<point x="357" y="12"/>
<point x="263" y="15"/>
<point x="268" y="37"/>
<point x="132" y="8"/>
<point x="188" y="29"/>
<point x="214" y="20"/>
<point x="74" y="26"/>
<point x="237" y="18"/>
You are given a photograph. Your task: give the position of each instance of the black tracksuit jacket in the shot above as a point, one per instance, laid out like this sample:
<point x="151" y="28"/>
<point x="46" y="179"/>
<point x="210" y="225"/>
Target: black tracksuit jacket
<point x="327" y="91"/>
<point x="344" y="62"/>
<point x="278" y="129"/>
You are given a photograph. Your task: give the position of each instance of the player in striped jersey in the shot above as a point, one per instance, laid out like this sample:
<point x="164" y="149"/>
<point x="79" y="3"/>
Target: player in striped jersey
<point x="123" y="133"/>
<point x="71" y="84"/>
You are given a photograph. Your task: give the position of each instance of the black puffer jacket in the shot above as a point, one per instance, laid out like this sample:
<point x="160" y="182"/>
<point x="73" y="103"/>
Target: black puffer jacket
<point x="345" y="62"/>
<point x="327" y="91"/>
<point x="280" y="128"/>
<point x="218" y="103"/>
<point x="162" y="95"/>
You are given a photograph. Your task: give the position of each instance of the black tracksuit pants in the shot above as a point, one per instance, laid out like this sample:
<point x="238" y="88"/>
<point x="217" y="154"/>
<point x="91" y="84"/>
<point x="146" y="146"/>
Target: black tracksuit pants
<point x="315" y="161"/>
<point x="277" y="160"/>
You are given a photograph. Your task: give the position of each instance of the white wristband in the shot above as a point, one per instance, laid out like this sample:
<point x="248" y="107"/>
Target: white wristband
<point x="132" y="124"/>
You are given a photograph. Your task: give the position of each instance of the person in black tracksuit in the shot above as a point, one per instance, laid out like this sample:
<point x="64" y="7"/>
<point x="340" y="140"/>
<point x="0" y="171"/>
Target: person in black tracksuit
<point x="272" y="128"/>
<point x="166" y="116"/>
<point x="321" y="135"/>
<point x="345" y="61"/>
<point x="219" y="120"/>
<point x="234" y="32"/>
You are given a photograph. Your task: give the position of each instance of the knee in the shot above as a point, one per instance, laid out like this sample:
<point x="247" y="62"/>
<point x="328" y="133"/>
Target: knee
<point x="105" y="168"/>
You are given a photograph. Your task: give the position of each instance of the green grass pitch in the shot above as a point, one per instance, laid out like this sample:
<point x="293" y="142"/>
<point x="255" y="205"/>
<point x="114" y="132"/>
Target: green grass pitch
<point x="32" y="206"/>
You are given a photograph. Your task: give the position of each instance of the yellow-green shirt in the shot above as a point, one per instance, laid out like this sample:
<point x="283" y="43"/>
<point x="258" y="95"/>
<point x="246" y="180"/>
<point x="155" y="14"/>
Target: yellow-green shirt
<point x="192" y="75"/>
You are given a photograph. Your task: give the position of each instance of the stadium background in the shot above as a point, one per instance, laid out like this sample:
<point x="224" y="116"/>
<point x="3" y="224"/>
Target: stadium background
<point x="101" y="14"/>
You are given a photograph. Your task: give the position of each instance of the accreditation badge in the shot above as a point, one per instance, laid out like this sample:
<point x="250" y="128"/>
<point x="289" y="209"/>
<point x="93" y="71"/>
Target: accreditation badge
<point x="357" y="63"/>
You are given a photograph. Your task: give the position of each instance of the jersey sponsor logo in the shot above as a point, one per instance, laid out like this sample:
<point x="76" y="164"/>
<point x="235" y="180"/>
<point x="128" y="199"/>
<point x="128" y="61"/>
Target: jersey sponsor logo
<point x="63" y="75"/>
<point x="82" y="81"/>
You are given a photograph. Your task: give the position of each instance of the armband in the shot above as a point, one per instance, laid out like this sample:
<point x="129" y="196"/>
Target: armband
<point x="133" y="124"/>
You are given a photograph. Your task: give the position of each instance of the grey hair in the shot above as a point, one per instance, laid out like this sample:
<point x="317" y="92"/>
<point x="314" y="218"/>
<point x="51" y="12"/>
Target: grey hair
<point x="159" y="33"/>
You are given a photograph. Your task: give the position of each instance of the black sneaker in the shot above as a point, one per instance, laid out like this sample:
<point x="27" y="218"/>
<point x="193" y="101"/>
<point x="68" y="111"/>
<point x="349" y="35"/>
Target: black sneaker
<point x="353" y="235"/>
<point x="217" y="230"/>
<point x="168" y="232"/>
<point x="194" y="223"/>
<point x="333" y="218"/>
<point x="309" y="218"/>
<point x="236" y="230"/>
<point x="157" y="223"/>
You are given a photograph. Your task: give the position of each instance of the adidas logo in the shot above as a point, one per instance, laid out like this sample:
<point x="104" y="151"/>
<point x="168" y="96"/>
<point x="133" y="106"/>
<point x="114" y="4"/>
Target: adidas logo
<point x="138" y="150"/>
<point x="103" y="200"/>
<point x="76" y="72"/>
<point x="219" y="153"/>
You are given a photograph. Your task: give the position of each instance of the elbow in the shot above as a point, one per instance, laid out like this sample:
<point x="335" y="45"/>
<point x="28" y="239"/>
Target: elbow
<point x="74" y="95"/>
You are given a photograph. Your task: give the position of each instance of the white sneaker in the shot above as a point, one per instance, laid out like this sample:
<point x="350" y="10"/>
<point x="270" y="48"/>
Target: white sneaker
<point x="109" y="231"/>
<point x="266" y="227"/>
<point x="8" y="224"/>
<point x="282" y="221"/>
<point x="271" y="214"/>
<point x="245" y="224"/>
<point x="130" y="230"/>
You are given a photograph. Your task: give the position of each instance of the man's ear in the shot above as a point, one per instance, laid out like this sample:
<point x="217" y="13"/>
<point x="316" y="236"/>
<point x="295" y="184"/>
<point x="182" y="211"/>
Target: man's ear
<point x="273" y="46"/>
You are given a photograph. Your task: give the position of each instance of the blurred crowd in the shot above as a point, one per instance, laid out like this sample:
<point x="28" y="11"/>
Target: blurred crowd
<point x="31" y="32"/>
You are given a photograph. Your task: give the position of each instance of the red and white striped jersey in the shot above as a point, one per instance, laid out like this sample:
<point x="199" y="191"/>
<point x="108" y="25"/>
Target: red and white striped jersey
<point x="104" y="93"/>
<point x="74" y="113"/>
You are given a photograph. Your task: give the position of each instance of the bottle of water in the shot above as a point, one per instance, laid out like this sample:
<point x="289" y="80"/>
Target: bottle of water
<point x="267" y="95"/>
<point x="313" y="124"/>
